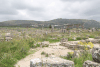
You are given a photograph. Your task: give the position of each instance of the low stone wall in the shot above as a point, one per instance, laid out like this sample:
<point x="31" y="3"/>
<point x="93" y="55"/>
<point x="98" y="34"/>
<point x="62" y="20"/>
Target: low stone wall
<point x="74" y="46"/>
<point x="92" y="40"/>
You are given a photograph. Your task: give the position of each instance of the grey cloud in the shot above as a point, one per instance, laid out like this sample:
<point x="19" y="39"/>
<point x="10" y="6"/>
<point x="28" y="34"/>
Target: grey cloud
<point x="74" y="0"/>
<point x="6" y="8"/>
<point x="7" y="11"/>
<point x="94" y="9"/>
<point x="71" y="9"/>
<point x="24" y="6"/>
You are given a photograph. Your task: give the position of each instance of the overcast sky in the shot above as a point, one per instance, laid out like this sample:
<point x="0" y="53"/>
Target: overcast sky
<point x="44" y="10"/>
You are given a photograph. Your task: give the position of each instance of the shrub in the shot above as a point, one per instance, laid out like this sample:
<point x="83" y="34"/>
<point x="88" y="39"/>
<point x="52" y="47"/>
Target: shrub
<point x="70" y="55"/>
<point x="91" y="36"/>
<point x="78" y="38"/>
<point x="37" y="45"/>
<point x="69" y="39"/>
<point x="43" y="53"/>
<point x="47" y="55"/>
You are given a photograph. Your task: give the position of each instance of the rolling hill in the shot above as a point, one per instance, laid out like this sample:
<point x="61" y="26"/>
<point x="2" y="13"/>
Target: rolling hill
<point x="29" y="23"/>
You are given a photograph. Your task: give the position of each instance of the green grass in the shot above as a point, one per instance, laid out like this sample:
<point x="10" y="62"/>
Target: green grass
<point x="70" y="39"/>
<point x="91" y="36"/>
<point x="46" y="55"/>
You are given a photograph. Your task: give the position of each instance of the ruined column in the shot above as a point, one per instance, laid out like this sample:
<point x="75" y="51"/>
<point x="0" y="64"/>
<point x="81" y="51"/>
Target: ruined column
<point x="52" y="28"/>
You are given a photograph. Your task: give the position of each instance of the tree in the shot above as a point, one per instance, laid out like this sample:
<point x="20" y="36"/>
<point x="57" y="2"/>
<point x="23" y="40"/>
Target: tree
<point x="50" y="26"/>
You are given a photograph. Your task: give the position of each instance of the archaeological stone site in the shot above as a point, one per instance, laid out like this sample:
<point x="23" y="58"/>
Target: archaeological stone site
<point x="71" y="45"/>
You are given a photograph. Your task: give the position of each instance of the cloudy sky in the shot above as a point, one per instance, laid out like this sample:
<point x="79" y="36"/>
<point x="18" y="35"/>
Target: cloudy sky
<point x="44" y="10"/>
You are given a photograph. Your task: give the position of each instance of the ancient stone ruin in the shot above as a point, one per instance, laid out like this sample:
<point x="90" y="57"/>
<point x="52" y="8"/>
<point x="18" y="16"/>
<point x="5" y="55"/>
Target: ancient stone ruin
<point x="51" y="62"/>
<point x="8" y="37"/>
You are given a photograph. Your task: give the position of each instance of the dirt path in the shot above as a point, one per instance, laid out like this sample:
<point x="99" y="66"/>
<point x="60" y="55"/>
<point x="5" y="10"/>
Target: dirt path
<point x="54" y="49"/>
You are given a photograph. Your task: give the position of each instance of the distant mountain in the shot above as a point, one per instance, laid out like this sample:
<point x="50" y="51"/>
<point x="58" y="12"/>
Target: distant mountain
<point x="31" y="23"/>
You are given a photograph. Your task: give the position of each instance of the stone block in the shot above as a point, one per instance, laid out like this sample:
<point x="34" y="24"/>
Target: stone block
<point x="96" y="54"/>
<point x="51" y="62"/>
<point x="89" y="63"/>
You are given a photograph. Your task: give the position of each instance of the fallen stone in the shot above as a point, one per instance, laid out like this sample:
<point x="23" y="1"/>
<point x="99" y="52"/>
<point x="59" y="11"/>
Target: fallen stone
<point x="96" y="54"/>
<point x="51" y="62"/>
<point x="89" y="63"/>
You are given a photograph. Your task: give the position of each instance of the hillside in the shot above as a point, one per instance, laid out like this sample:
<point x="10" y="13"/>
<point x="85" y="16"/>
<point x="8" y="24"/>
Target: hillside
<point x="29" y="23"/>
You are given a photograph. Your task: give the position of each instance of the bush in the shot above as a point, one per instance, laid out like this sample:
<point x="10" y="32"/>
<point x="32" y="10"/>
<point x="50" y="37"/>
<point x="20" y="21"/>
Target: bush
<point x="78" y="38"/>
<point x="47" y="55"/>
<point x="43" y="53"/>
<point x="69" y="39"/>
<point x="37" y="45"/>
<point x="91" y="36"/>
<point x="70" y="55"/>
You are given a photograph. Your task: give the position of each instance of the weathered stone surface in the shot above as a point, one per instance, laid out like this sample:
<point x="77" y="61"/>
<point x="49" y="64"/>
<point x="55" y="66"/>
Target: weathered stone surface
<point x="8" y="37"/>
<point x="51" y="62"/>
<point x="74" y="38"/>
<point x="64" y="40"/>
<point x="96" y="54"/>
<point x="93" y="29"/>
<point x="66" y="44"/>
<point x="97" y="37"/>
<point x="76" y="54"/>
<point x="89" y="30"/>
<point x="92" y="40"/>
<point x="74" y="46"/>
<point x="90" y="64"/>
<point x="45" y="43"/>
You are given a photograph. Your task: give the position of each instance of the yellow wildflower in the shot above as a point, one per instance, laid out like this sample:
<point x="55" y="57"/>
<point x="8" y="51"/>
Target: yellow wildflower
<point x="86" y="48"/>
<point x="71" y="52"/>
